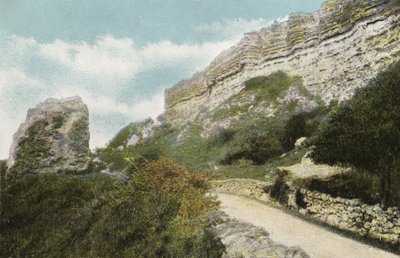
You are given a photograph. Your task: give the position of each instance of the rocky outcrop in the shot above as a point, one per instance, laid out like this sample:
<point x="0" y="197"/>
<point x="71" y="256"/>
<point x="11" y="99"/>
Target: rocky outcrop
<point x="245" y="240"/>
<point x="335" y="50"/>
<point x="53" y="138"/>
<point x="142" y="131"/>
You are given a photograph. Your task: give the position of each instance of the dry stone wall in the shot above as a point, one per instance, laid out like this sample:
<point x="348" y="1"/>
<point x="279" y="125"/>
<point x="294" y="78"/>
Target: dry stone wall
<point x="348" y="214"/>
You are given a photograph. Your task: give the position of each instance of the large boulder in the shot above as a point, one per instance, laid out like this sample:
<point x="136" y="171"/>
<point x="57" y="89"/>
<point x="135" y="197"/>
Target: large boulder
<point x="53" y="138"/>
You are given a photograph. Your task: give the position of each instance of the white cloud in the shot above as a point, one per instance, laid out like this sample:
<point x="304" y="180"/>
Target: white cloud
<point x="15" y="77"/>
<point x="196" y="56"/>
<point x="107" y="57"/>
<point x="236" y="27"/>
<point x="8" y="127"/>
<point x="104" y="105"/>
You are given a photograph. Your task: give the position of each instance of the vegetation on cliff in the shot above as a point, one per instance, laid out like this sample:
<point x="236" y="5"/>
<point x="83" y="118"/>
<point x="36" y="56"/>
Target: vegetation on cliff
<point x="242" y="137"/>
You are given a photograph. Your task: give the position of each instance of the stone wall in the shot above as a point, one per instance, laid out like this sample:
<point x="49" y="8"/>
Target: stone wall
<point x="242" y="239"/>
<point x="335" y="50"/>
<point x="348" y="214"/>
<point x="246" y="187"/>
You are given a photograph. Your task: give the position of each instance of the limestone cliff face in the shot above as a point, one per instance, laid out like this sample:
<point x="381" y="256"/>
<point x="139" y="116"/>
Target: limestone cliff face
<point x="335" y="50"/>
<point x="53" y="138"/>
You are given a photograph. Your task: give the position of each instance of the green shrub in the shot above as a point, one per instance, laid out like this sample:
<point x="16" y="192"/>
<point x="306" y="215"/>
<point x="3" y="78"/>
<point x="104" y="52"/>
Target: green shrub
<point x="364" y="132"/>
<point x="302" y="125"/>
<point x="159" y="212"/>
<point x="220" y="136"/>
<point x="257" y="142"/>
<point x="272" y="86"/>
<point x="279" y="190"/>
<point x="354" y="184"/>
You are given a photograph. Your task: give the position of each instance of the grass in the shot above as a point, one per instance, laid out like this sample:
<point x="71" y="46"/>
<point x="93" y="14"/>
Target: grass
<point x="249" y="148"/>
<point x="271" y="87"/>
<point x="265" y="172"/>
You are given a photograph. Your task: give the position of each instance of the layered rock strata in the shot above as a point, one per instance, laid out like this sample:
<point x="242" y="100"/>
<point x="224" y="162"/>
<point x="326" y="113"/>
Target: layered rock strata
<point x="335" y="50"/>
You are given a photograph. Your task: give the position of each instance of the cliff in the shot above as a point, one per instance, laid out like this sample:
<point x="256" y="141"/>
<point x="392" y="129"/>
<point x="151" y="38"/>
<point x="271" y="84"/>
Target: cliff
<point x="334" y="51"/>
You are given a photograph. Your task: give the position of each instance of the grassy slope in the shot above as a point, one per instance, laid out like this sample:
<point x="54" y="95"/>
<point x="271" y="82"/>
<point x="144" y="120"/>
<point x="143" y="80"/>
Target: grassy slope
<point x="227" y="152"/>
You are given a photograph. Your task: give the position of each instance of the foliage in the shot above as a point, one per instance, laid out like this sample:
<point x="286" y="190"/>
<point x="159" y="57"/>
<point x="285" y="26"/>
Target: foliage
<point x="272" y="86"/>
<point x="265" y="171"/>
<point x="122" y="137"/>
<point x="78" y="135"/>
<point x="253" y="138"/>
<point x="257" y="142"/>
<point x="220" y="136"/>
<point x="34" y="147"/>
<point x="302" y="125"/>
<point x="279" y="189"/>
<point x="364" y="132"/>
<point x="3" y="169"/>
<point x="354" y="184"/>
<point x="157" y="213"/>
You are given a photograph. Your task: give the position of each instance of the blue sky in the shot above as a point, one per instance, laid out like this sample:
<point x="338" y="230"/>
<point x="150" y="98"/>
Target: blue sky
<point x="118" y="55"/>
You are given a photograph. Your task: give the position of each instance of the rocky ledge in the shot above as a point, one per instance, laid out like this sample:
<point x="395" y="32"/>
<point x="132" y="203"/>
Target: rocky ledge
<point x="53" y="138"/>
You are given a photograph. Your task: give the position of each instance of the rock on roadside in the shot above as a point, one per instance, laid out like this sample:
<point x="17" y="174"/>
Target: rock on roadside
<point x="53" y="138"/>
<point x="242" y="239"/>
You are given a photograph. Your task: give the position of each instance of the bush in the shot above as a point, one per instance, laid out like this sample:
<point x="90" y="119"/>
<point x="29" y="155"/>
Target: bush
<point x="272" y="86"/>
<point x="257" y="142"/>
<point x="279" y="190"/>
<point x="302" y="125"/>
<point x="355" y="184"/>
<point x="158" y="213"/>
<point x="220" y="136"/>
<point x="364" y="132"/>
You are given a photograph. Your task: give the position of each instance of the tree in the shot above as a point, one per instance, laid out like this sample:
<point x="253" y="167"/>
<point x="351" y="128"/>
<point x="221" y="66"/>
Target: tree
<point x="364" y="132"/>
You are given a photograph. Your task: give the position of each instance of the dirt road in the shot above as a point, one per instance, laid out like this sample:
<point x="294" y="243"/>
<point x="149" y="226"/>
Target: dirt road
<point x="291" y="231"/>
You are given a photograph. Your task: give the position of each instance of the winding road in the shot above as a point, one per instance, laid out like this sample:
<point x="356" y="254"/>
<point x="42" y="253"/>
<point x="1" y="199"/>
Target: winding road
<point x="292" y="231"/>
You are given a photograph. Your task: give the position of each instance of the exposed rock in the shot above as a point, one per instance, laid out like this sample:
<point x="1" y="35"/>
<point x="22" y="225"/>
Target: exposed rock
<point x="142" y="131"/>
<point x="116" y="174"/>
<point x="245" y="240"/>
<point x="307" y="169"/>
<point x="360" y="36"/>
<point x="300" y="143"/>
<point x="134" y="140"/>
<point x="53" y="138"/>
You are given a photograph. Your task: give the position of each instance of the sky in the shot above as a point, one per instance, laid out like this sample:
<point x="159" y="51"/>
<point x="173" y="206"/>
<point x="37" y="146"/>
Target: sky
<point x="119" y="55"/>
